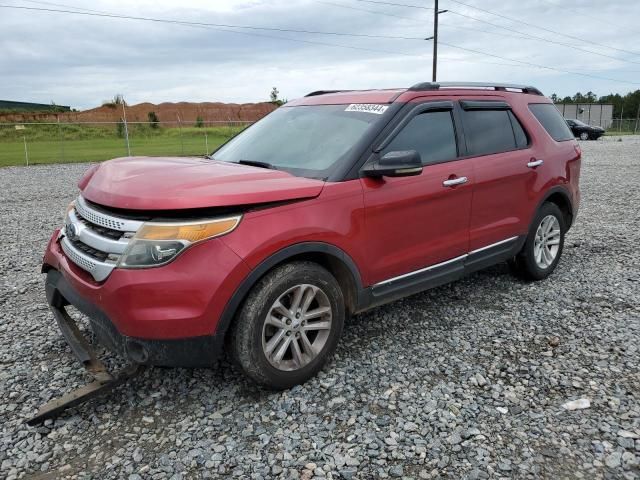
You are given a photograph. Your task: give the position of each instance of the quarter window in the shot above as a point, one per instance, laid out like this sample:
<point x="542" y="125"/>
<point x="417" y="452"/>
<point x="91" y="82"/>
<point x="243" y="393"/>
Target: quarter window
<point x="491" y="131"/>
<point x="431" y="134"/>
<point x="552" y="121"/>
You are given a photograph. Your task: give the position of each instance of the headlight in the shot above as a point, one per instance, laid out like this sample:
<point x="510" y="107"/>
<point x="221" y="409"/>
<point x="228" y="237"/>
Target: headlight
<point x="159" y="243"/>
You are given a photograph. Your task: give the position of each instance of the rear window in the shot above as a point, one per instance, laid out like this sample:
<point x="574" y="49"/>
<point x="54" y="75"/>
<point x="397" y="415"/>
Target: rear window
<point x="552" y="121"/>
<point x="489" y="131"/>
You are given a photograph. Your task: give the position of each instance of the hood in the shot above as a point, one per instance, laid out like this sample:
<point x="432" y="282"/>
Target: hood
<point x="168" y="183"/>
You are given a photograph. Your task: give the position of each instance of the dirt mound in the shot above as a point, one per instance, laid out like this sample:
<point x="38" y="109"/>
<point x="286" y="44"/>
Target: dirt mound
<point x="166" y="112"/>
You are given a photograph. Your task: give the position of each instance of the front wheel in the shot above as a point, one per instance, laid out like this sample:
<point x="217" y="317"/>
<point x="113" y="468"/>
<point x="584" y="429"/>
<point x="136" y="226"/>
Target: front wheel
<point x="584" y="136"/>
<point x="543" y="247"/>
<point x="289" y="325"/>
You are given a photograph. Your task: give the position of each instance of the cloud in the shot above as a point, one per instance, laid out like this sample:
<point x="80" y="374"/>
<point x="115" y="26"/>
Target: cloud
<point x="80" y="60"/>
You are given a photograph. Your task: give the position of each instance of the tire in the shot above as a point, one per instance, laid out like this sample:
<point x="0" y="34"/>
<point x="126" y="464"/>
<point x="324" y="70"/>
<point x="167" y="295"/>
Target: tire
<point x="584" y="136"/>
<point x="536" y="260"/>
<point x="261" y="329"/>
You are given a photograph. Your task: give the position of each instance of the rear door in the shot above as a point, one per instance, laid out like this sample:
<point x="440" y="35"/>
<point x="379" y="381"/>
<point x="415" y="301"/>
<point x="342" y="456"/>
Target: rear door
<point x="414" y="223"/>
<point x="505" y="166"/>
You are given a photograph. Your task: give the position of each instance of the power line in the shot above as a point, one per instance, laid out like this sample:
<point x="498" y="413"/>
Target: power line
<point x="312" y="42"/>
<point x="377" y="12"/>
<point x="537" y="65"/>
<point x="215" y="27"/>
<point x="580" y="12"/>
<point x="511" y="19"/>
<point x="203" y="24"/>
<point x="386" y="14"/>
<point x="535" y="37"/>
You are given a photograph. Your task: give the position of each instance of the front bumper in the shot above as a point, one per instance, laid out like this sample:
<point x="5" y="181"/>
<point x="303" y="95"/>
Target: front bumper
<point x="186" y="352"/>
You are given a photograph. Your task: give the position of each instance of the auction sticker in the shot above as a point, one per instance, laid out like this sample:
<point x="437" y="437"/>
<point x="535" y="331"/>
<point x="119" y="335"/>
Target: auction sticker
<point x="367" y="108"/>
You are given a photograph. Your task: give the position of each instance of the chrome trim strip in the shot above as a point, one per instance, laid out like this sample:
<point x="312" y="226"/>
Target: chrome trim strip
<point x="438" y="265"/>
<point x="89" y="237"/>
<point x="98" y="270"/>
<point x="104" y="219"/>
<point x="493" y="245"/>
<point x="422" y="270"/>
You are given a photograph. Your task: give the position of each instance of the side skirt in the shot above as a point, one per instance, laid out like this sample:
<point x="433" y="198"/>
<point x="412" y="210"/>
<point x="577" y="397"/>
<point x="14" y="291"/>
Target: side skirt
<point x="439" y="274"/>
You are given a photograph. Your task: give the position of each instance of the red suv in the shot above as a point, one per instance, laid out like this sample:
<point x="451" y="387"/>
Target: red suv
<point x="330" y="205"/>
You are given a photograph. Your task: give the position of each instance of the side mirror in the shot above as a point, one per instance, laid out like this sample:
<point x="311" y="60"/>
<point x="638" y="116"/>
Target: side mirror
<point x="395" y="164"/>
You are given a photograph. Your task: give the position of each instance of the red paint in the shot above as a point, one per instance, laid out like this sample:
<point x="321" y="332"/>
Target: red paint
<point x="388" y="226"/>
<point x="145" y="183"/>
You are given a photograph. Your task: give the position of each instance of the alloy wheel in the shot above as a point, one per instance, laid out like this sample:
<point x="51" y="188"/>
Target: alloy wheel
<point x="297" y="327"/>
<point x="547" y="242"/>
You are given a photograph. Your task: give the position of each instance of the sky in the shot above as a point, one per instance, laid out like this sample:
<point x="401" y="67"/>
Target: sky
<point x="82" y="61"/>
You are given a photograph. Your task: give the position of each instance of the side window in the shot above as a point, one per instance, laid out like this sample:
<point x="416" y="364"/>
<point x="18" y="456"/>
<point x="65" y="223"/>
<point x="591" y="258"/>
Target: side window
<point x="552" y="121"/>
<point x="489" y="131"/>
<point x="431" y="134"/>
<point x="522" y="141"/>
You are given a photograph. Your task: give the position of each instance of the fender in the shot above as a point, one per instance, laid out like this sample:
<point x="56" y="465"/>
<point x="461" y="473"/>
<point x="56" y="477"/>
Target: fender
<point x="280" y="256"/>
<point x="552" y="191"/>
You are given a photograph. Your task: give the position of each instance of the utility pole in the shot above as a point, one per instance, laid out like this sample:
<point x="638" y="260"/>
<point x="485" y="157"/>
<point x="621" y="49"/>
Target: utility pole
<point x="435" y="42"/>
<point x="436" y="14"/>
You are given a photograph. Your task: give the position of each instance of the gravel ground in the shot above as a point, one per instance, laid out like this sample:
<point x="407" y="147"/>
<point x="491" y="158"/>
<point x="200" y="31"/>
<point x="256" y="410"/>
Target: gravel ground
<point x="464" y="381"/>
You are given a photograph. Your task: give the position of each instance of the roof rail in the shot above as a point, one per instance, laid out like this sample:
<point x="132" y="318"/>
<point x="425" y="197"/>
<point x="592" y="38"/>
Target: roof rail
<point x="324" y="92"/>
<point x="496" y="86"/>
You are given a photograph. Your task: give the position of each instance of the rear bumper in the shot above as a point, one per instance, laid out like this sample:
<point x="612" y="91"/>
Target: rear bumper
<point x="185" y="352"/>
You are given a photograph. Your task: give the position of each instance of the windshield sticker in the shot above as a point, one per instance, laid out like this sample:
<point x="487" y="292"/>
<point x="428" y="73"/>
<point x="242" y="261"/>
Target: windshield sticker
<point x="367" y="108"/>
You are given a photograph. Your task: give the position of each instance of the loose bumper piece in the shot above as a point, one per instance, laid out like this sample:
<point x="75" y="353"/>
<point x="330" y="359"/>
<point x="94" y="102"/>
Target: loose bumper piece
<point x="103" y="380"/>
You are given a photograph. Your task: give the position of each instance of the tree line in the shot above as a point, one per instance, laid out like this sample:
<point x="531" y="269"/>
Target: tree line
<point x="623" y="105"/>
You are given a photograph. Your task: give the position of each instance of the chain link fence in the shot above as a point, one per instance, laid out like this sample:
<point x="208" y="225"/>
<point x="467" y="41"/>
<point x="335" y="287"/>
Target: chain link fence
<point x="624" y="125"/>
<point x="38" y="143"/>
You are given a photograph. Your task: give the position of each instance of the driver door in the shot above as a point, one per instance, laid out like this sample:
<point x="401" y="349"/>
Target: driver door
<point x="415" y="223"/>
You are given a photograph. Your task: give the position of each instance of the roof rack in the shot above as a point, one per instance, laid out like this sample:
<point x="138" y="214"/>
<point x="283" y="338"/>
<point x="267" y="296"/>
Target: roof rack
<point x="496" y="86"/>
<point x="324" y="92"/>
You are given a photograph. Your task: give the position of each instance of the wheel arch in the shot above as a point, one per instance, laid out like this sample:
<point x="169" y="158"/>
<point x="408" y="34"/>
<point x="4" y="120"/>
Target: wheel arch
<point x="334" y="259"/>
<point x="560" y="197"/>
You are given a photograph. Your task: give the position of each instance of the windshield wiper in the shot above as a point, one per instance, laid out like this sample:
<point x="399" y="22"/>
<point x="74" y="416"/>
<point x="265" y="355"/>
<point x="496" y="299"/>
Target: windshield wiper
<point x="256" y="163"/>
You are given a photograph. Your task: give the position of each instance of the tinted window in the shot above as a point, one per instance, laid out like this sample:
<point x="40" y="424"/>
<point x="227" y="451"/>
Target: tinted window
<point x="550" y="118"/>
<point x="488" y="131"/>
<point x="521" y="137"/>
<point x="431" y="134"/>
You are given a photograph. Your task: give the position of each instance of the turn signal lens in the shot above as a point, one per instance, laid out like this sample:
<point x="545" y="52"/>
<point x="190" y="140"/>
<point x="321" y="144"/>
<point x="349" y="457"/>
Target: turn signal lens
<point x="190" y="232"/>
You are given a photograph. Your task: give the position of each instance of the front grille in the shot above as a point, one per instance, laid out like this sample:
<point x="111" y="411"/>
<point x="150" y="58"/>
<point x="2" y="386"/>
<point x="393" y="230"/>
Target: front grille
<point x="97" y="218"/>
<point x="92" y="252"/>
<point x="104" y="231"/>
<point x="95" y="240"/>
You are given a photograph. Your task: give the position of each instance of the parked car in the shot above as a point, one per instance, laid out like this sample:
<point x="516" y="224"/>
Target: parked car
<point x="331" y="205"/>
<point x="583" y="131"/>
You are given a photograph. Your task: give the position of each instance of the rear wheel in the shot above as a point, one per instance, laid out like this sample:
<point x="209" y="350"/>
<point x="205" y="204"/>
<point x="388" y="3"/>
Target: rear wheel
<point x="289" y="326"/>
<point x="543" y="247"/>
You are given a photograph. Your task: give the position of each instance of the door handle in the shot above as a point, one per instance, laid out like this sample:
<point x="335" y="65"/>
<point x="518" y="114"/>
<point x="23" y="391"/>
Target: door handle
<point x="455" y="181"/>
<point x="535" y="163"/>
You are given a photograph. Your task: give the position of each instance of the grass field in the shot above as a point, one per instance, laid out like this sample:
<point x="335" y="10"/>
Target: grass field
<point x="80" y="143"/>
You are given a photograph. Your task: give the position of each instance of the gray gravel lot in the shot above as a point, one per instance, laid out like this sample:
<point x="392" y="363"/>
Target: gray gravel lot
<point x="464" y="381"/>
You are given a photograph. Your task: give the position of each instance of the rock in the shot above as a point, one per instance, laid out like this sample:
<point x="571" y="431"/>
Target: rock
<point x="613" y="460"/>
<point x="579" y="404"/>
<point x="396" y="471"/>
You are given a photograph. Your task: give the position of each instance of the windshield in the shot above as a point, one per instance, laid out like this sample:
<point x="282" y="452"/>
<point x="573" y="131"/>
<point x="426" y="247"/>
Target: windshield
<point x="306" y="141"/>
<point x="579" y="123"/>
